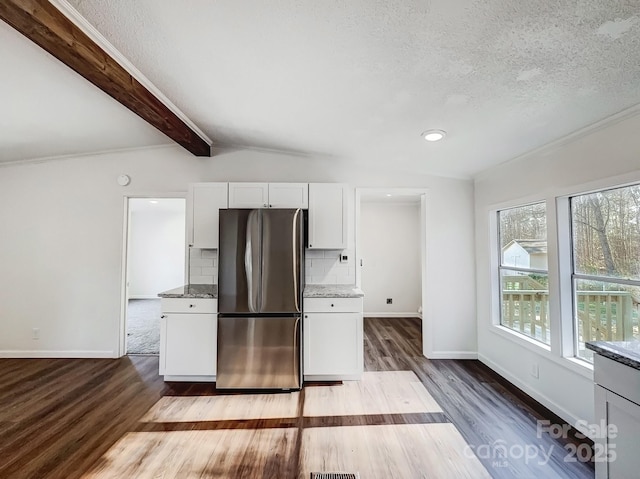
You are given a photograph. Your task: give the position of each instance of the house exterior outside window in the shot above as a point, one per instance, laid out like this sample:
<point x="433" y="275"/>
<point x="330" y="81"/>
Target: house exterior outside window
<point x="523" y="270"/>
<point x="605" y="230"/>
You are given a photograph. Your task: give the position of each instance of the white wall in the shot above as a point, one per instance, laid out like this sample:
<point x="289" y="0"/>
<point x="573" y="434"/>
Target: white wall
<point x="156" y="249"/>
<point x="602" y="157"/>
<point x="62" y="240"/>
<point x="390" y="242"/>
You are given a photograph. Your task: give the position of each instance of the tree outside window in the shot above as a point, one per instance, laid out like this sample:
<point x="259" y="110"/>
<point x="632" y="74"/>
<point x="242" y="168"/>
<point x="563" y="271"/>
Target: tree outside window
<point x="606" y="266"/>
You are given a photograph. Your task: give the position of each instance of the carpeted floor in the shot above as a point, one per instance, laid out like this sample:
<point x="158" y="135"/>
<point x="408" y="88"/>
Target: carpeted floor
<point x="143" y="326"/>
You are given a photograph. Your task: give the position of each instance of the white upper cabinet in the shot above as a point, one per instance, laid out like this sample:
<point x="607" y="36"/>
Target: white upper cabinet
<point x="248" y="195"/>
<point x="268" y="195"/>
<point x="327" y="204"/>
<point x="204" y="203"/>
<point x="327" y="216"/>
<point x="289" y="195"/>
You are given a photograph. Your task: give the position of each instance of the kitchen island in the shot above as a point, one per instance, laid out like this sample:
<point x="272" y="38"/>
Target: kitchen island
<point x="617" y="407"/>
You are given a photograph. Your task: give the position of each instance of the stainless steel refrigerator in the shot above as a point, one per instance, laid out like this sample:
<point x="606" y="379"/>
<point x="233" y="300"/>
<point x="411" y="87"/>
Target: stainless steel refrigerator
<point x="260" y="282"/>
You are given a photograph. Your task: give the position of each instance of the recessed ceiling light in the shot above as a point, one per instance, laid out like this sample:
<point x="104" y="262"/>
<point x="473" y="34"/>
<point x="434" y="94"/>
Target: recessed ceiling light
<point x="388" y="194"/>
<point x="434" y="135"/>
<point x="153" y="202"/>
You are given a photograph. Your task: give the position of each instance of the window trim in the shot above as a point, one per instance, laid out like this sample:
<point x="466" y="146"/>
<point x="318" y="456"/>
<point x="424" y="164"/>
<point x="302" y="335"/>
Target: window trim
<point x="573" y="276"/>
<point x="565" y="297"/>
<point x="501" y="267"/>
<point x="606" y="279"/>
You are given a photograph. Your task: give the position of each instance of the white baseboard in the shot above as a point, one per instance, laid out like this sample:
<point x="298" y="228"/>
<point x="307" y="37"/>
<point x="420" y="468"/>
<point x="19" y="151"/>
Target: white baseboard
<point x="537" y="395"/>
<point x="144" y="296"/>
<point x="196" y="379"/>
<point x="453" y="355"/>
<point x="59" y="354"/>
<point x="393" y="315"/>
<point x="333" y="377"/>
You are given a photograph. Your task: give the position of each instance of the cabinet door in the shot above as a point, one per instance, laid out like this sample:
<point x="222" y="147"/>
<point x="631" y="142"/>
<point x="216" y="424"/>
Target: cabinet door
<point x="189" y="344"/>
<point x="333" y="344"/>
<point x="289" y="195"/>
<point x="248" y="195"/>
<point x="620" y="445"/>
<point x="205" y="201"/>
<point x="327" y="216"/>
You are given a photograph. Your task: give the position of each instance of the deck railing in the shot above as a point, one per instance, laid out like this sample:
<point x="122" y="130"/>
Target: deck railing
<point x="602" y="315"/>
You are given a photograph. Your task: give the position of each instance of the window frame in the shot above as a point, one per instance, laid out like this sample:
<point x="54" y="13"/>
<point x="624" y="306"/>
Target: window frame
<point x="501" y="267"/>
<point x="574" y="277"/>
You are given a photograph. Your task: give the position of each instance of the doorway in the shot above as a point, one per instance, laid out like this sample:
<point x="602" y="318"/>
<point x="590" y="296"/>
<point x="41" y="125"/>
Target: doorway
<point x="155" y="262"/>
<point x="391" y="255"/>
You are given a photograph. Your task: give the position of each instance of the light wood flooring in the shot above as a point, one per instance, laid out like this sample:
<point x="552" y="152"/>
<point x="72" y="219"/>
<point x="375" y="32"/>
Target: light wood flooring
<point x="408" y="418"/>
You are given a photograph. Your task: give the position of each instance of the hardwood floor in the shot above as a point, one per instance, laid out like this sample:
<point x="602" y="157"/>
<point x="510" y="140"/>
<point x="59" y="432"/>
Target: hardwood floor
<point x="117" y="418"/>
<point x="494" y="417"/>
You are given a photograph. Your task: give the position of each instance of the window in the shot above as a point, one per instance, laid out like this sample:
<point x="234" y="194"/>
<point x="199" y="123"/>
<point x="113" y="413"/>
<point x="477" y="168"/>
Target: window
<point x="606" y="266"/>
<point x="523" y="270"/>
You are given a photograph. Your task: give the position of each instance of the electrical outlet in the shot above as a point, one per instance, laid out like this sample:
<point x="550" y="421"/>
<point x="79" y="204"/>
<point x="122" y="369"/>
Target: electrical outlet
<point x="534" y="371"/>
<point x="35" y="333"/>
<point x="344" y="258"/>
<point x="389" y="300"/>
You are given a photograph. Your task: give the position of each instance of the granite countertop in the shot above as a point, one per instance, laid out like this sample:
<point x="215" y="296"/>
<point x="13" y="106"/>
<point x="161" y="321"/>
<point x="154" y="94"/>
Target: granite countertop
<point x="192" y="291"/>
<point x="332" y="291"/>
<point x="625" y="352"/>
<point x="310" y="291"/>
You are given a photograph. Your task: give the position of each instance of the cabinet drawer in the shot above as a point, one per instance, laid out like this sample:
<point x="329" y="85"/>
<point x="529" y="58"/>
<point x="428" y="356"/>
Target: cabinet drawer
<point x="189" y="305"/>
<point x="619" y="378"/>
<point x="338" y="305"/>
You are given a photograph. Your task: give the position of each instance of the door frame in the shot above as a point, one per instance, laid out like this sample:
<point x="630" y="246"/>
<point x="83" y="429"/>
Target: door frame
<point x="124" y="269"/>
<point x="423" y="195"/>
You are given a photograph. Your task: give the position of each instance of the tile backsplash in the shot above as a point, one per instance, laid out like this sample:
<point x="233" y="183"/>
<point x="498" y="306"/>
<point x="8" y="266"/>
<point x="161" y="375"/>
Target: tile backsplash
<point x="324" y="267"/>
<point x="321" y="267"/>
<point x="203" y="266"/>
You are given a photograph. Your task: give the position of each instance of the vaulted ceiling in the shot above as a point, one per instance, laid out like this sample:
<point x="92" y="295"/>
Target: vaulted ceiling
<point x="357" y="81"/>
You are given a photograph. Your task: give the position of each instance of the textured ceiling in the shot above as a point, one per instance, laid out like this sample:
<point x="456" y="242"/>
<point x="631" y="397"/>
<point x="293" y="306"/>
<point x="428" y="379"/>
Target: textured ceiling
<point x="360" y="80"/>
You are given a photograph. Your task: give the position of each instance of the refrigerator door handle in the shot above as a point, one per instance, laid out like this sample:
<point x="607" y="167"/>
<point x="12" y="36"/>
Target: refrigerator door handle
<point x="251" y="265"/>
<point x="248" y="270"/>
<point x="296" y="251"/>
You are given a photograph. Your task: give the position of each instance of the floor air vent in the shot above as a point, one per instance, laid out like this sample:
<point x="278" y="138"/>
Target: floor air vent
<point x="335" y="475"/>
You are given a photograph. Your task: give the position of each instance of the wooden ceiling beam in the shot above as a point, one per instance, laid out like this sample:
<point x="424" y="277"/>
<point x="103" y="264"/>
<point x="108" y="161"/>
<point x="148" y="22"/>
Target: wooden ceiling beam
<point x="45" y="25"/>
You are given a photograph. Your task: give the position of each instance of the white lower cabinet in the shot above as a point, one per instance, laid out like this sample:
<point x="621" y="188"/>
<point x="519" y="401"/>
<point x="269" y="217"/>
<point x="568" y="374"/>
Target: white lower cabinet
<point x="188" y="340"/>
<point x="617" y="444"/>
<point x="333" y="339"/>
<point x="617" y="415"/>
